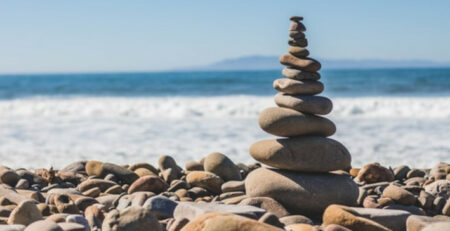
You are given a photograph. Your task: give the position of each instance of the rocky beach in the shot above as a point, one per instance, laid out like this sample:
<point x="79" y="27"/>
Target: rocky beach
<point x="301" y="180"/>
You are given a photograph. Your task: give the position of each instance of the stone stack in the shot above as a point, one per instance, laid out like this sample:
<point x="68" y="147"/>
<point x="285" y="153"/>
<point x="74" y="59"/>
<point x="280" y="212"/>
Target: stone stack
<point x="302" y="161"/>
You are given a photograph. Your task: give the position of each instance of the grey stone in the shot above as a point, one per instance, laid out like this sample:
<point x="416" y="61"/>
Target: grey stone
<point x="306" y="154"/>
<point x="302" y="193"/>
<point x="304" y="103"/>
<point x="192" y="210"/>
<point x="132" y="218"/>
<point x="160" y="206"/>
<point x="289" y="123"/>
<point x="392" y="219"/>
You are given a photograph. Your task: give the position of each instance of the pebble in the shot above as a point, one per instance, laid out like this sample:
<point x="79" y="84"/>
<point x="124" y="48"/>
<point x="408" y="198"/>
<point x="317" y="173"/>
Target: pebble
<point x="233" y="186"/>
<point x="194" y="166"/>
<point x="348" y="217"/>
<point x="222" y="166"/>
<point x="44" y="225"/>
<point x="227" y="222"/>
<point x="297" y="26"/>
<point x="415" y="173"/>
<point x="298" y="87"/>
<point x="69" y="226"/>
<point x="95" y="183"/>
<point x="288" y="123"/>
<point x="132" y="218"/>
<point x="299" y="52"/>
<point x="439" y="188"/>
<point x="417" y="223"/>
<point x="401" y="172"/>
<point x="123" y="174"/>
<point x="373" y="173"/>
<point x="271" y="219"/>
<point x="267" y="204"/>
<point x="147" y="166"/>
<point x="302" y="193"/>
<point x="25" y="213"/>
<point x="390" y="218"/>
<point x="301" y="42"/>
<point x="144" y="172"/>
<point x="93" y="168"/>
<point x="80" y="220"/>
<point x="160" y="206"/>
<point x="295" y="219"/>
<point x="192" y="210"/>
<point x="166" y="162"/>
<point x="304" y="64"/>
<point x="206" y="180"/>
<point x="437" y="226"/>
<point x="296" y="34"/>
<point x="148" y="183"/>
<point x="4" y="227"/>
<point x="334" y="227"/>
<point x="306" y="154"/>
<point x="293" y="73"/>
<point x="296" y="18"/>
<point x="399" y="195"/>
<point x="8" y="176"/>
<point x="301" y="227"/>
<point x="304" y="103"/>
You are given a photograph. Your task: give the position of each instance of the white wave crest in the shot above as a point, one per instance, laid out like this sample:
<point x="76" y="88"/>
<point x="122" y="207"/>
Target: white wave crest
<point x="216" y="107"/>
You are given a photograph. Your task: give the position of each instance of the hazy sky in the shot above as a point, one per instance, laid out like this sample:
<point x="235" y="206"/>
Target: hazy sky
<point x="109" y="35"/>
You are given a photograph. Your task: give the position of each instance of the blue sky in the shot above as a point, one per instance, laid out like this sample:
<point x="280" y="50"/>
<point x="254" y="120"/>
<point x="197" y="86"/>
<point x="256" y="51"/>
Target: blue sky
<point x="83" y="36"/>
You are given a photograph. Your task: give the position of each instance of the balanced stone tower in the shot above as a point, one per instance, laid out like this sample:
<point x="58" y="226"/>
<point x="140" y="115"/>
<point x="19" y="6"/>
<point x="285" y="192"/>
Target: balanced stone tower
<point x="300" y="174"/>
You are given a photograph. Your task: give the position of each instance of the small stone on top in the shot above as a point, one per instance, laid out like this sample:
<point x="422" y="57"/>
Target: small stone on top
<point x="296" y="18"/>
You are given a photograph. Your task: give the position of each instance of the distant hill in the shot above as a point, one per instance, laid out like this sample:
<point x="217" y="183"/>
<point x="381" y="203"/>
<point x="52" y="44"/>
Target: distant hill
<point x="271" y="63"/>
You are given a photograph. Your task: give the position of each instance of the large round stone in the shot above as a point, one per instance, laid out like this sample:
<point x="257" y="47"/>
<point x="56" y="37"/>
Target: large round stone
<point x="302" y="193"/>
<point x="305" y="64"/>
<point x="297" y="87"/>
<point x="307" y="154"/>
<point x="287" y="122"/>
<point x="305" y="103"/>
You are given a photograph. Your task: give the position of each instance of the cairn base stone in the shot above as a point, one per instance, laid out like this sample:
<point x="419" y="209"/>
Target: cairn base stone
<point x="302" y="193"/>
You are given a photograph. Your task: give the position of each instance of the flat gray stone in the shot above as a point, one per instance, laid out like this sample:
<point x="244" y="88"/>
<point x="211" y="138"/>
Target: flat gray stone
<point x="393" y="219"/>
<point x="192" y="210"/>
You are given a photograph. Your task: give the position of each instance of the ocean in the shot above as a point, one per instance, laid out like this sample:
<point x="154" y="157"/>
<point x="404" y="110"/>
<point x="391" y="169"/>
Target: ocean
<point x="391" y="116"/>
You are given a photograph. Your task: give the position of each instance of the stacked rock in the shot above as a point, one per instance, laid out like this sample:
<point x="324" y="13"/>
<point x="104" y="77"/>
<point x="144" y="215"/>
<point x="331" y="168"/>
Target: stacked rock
<point x="304" y="159"/>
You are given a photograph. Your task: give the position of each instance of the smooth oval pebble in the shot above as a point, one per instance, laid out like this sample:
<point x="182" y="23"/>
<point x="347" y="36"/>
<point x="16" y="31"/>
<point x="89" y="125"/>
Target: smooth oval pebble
<point x="306" y="64"/>
<point x="302" y="193"/>
<point x="149" y="184"/>
<point x="226" y="222"/>
<point x="297" y="26"/>
<point x="206" y="180"/>
<point x="303" y="103"/>
<point x="288" y="123"/>
<point x="307" y="154"/>
<point x="300" y="52"/>
<point x="296" y="34"/>
<point x="222" y="166"/>
<point x="302" y="42"/>
<point x="293" y="73"/>
<point x="298" y="87"/>
<point x="44" y="225"/>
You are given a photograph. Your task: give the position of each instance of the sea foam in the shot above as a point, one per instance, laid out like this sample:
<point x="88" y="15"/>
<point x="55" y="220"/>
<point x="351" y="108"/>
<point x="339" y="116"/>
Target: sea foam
<point x="215" y="107"/>
<point x="52" y="131"/>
